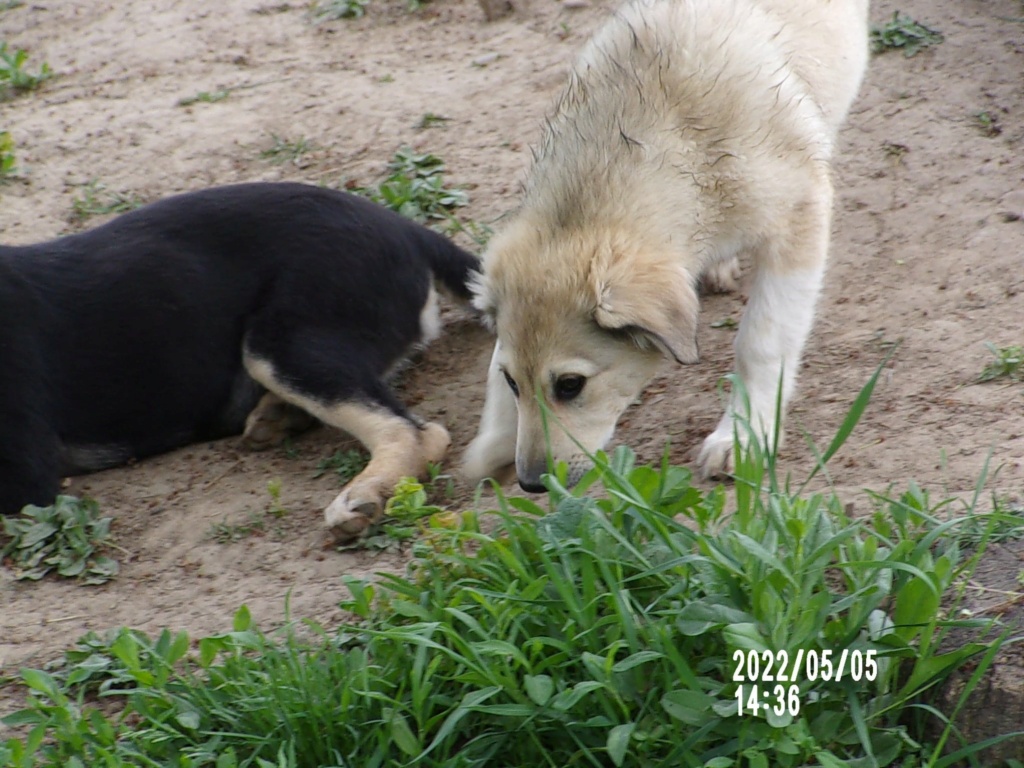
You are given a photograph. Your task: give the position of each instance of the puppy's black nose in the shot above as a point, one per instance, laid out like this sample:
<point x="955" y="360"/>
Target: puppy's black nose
<point x="531" y="486"/>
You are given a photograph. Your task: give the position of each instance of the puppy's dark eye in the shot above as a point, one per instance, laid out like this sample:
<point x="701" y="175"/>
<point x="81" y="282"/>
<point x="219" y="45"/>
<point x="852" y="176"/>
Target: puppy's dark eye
<point x="511" y="383"/>
<point x="569" y="387"/>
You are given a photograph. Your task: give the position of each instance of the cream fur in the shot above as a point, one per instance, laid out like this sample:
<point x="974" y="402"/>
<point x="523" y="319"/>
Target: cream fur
<point x="690" y="131"/>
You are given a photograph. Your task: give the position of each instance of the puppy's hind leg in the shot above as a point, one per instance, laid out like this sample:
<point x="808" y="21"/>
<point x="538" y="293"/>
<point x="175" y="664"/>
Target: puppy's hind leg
<point x="787" y="279"/>
<point x="721" y="277"/>
<point x="355" y="402"/>
<point x="493" y="451"/>
<point x="272" y="422"/>
<point x="399" y="447"/>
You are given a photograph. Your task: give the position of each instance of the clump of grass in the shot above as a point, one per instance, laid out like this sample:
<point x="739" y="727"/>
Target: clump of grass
<point x="97" y="200"/>
<point x="10" y="5"/>
<point x="415" y="188"/>
<point x="613" y="628"/>
<point x="988" y="123"/>
<point x="345" y="464"/>
<point x="332" y="10"/>
<point x="275" y="509"/>
<point x="8" y="167"/>
<point x="255" y="523"/>
<point x="67" y="537"/>
<point x="205" y="97"/>
<point x="1008" y="363"/>
<point x="430" y="120"/>
<point x="905" y="34"/>
<point x="15" y="77"/>
<point x="228" y="533"/>
<point x="284" y="150"/>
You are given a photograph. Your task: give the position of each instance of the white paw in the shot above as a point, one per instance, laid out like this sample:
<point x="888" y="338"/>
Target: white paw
<point x="486" y="457"/>
<point x="716" y="453"/>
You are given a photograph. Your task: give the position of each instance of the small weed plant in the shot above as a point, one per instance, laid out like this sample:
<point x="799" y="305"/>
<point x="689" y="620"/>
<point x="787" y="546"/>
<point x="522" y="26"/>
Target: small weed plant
<point x="67" y="537"/>
<point x="97" y="200"/>
<point x="255" y="523"/>
<point x="905" y="34"/>
<point x="205" y="97"/>
<point x="284" y="150"/>
<point x="415" y="188"/>
<point x="332" y="10"/>
<point x="15" y="77"/>
<point x="1008" y="364"/>
<point x="345" y="464"/>
<point x="8" y="168"/>
<point x="619" y="626"/>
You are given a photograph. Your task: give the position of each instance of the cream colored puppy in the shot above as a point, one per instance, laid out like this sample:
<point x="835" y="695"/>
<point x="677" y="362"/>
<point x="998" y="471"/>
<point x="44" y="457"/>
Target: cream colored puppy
<point x="690" y="131"/>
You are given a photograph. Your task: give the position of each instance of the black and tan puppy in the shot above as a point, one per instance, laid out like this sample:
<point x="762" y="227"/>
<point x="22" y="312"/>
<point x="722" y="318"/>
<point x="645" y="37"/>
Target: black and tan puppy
<point x="235" y="308"/>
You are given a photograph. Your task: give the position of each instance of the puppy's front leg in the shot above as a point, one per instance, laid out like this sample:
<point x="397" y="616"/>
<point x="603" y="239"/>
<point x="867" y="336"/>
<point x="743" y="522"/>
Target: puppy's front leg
<point x="774" y="329"/>
<point x="398" y="448"/>
<point x="493" y="451"/>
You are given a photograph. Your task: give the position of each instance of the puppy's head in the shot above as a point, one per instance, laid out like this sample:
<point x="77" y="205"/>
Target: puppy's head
<point x="583" y="321"/>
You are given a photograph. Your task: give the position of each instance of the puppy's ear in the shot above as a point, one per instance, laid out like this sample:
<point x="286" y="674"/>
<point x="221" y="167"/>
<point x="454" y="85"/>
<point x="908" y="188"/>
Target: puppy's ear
<point x="659" y="305"/>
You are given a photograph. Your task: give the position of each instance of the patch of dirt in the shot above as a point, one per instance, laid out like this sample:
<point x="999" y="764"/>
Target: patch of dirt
<point x="922" y="255"/>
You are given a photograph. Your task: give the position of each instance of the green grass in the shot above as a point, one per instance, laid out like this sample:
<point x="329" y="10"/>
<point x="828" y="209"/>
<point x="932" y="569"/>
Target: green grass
<point x="284" y="150"/>
<point x="8" y="167"/>
<point x="332" y="10"/>
<point x="255" y="523"/>
<point x="415" y="187"/>
<point x="605" y="628"/>
<point x="97" y="200"/>
<point x="905" y="34"/>
<point x="987" y="123"/>
<point x="67" y="537"/>
<point x="15" y="76"/>
<point x="1008" y="363"/>
<point x="205" y="97"/>
<point x="345" y="464"/>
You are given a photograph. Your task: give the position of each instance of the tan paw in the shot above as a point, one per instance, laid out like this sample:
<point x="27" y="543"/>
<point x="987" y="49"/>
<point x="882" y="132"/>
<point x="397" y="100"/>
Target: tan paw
<point x="435" y="441"/>
<point x="272" y="422"/>
<point x="351" y="514"/>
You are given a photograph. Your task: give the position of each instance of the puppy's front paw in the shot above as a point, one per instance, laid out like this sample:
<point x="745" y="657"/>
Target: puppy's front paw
<point x="716" y="454"/>
<point x="486" y="457"/>
<point x="351" y="514"/>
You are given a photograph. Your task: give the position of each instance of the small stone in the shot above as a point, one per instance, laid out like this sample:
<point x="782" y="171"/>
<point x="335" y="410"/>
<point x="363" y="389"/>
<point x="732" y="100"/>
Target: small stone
<point x="485" y="59"/>
<point x="1011" y="205"/>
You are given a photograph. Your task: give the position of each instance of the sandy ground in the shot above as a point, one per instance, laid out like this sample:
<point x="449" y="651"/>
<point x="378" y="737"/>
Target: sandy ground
<point x="922" y="254"/>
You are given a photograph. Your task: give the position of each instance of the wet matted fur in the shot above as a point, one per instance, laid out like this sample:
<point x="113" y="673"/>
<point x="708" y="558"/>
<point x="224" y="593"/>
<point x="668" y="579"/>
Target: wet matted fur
<point x="249" y="307"/>
<point x="690" y="131"/>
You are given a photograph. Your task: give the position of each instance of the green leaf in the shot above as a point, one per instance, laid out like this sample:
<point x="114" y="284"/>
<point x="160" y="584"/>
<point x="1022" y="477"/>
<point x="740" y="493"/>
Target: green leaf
<point x="243" y="619"/>
<point x="635" y="660"/>
<point x="618" y="742"/>
<point x="37" y="533"/>
<point x="690" y="707"/>
<point x="539" y="688"/>
<point x="699" y="616"/>
<point x="403" y="736"/>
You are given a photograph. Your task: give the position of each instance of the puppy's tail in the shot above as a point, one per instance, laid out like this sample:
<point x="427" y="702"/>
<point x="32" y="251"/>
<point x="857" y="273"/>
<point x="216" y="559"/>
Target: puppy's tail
<point x="454" y="268"/>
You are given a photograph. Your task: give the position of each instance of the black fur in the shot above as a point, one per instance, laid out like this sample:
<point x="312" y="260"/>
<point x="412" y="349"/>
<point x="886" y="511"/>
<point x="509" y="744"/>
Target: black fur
<point x="127" y="340"/>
